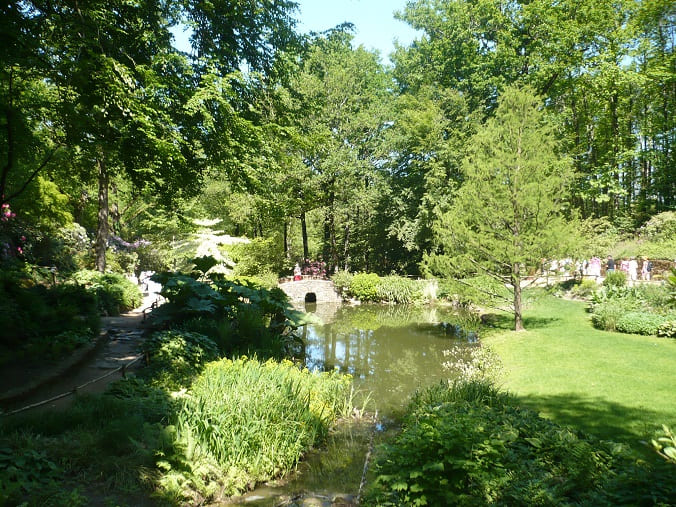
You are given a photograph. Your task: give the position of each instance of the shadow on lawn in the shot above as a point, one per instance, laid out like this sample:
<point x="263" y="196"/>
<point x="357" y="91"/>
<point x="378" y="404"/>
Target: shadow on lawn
<point x="506" y="321"/>
<point x="604" y="419"/>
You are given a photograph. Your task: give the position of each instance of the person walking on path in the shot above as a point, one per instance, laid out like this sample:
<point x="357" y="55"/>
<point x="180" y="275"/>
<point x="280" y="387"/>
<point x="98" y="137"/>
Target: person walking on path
<point x="610" y="265"/>
<point x="646" y="269"/>
<point x="595" y="267"/>
<point x="632" y="269"/>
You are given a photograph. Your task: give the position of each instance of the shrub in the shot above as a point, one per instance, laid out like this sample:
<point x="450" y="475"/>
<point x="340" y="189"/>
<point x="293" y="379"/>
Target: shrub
<point x="470" y="445"/>
<point x="58" y="345"/>
<point x="314" y="268"/>
<point x="660" y="226"/>
<point x="396" y="289"/>
<point x="176" y="357"/>
<point x="114" y="292"/>
<point x="31" y="318"/>
<point x="364" y="286"/>
<point x="605" y="316"/>
<point x="122" y="261"/>
<point x="479" y="363"/>
<point x="585" y="288"/>
<point x="639" y="323"/>
<point x="342" y="280"/>
<point x="656" y="296"/>
<point x="667" y="329"/>
<point x="253" y="421"/>
<point x="241" y="319"/>
<point x="615" y="279"/>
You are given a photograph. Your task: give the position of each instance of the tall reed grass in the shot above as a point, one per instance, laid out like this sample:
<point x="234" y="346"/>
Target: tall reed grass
<point x="255" y="420"/>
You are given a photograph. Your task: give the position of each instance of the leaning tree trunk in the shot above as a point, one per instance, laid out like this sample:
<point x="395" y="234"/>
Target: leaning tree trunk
<point x="102" y="230"/>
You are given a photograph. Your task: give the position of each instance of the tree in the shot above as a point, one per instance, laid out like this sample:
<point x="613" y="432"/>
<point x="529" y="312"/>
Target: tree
<point x="343" y="94"/>
<point x="607" y="67"/>
<point x="426" y="144"/>
<point x="510" y="212"/>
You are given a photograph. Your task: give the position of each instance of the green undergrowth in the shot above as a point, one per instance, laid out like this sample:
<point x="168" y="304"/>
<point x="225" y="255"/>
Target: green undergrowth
<point x="369" y="287"/>
<point x="240" y="423"/>
<point x="616" y="386"/>
<point x="115" y="294"/>
<point x="245" y="422"/>
<point x="193" y="427"/>
<point x="41" y="321"/>
<point x="471" y="444"/>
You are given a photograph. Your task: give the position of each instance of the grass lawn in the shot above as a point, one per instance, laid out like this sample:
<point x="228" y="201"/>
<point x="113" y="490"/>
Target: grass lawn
<point x="616" y="386"/>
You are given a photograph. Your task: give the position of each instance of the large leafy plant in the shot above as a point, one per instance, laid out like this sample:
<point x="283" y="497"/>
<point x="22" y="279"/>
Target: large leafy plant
<point x="241" y="317"/>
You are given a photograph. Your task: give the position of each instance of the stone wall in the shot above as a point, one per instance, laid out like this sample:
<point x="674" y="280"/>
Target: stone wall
<point x="324" y="290"/>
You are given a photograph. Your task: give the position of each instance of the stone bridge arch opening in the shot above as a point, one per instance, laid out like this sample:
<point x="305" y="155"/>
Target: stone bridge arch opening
<point x="310" y="297"/>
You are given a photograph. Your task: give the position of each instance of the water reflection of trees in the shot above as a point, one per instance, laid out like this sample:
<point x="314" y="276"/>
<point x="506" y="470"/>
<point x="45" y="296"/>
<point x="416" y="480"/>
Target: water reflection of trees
<point x="389" y="350"/>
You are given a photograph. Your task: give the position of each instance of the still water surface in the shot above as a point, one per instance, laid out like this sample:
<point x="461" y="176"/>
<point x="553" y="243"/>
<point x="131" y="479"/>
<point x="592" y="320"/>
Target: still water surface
<point x="390" y="351"/>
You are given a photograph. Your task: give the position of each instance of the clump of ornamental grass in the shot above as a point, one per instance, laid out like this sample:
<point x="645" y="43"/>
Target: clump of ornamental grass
<point x="244" y="422"/>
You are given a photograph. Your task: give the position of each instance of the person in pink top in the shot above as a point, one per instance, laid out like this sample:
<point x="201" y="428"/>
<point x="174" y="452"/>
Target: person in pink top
<point x="595" y="266"/>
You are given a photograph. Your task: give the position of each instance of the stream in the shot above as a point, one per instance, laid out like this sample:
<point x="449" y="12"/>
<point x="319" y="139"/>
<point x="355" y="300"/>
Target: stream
<point x="391" y="351"/>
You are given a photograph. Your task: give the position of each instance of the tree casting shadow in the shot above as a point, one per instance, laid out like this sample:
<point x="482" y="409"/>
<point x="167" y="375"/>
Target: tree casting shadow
<point x="598" y="417"/>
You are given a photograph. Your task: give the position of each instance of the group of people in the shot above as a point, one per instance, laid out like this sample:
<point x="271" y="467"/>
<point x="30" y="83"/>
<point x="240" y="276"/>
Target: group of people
<point x="593" y="267"/>
<point x="630" y="267"/>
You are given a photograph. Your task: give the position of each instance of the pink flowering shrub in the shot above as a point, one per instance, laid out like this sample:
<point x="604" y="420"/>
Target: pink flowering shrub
<point x="314" y="268"/>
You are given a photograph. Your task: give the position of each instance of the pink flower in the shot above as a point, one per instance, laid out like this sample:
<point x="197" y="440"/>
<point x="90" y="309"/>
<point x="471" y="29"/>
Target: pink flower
<point x="19" y="249"/>
<point x="23" y="238"/>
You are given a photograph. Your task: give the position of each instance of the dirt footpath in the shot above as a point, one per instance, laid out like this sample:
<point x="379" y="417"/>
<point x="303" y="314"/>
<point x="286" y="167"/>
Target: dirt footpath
<point x="118" y="345"/>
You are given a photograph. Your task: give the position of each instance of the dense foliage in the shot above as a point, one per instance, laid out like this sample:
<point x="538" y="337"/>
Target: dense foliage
<point x="472" y="445"/>
<point x="40" y="319"/>
<point x="369" y="287"/>
<point x="115" y="293"/>
<point x="197" y="427"/>
<point x="472" y="156"/>
<point x="241" y="318"/>
<point x="318" y="150"/>
<point x="645" y="309"/>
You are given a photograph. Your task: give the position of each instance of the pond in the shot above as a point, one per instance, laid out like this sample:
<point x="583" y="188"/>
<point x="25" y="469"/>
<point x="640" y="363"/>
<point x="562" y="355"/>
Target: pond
<point x="391" y="351"/>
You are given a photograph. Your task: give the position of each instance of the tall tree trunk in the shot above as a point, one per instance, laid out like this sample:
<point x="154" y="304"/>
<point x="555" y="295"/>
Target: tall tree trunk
<point x="516" y="281"/>
<point x="102" y="230"/>
<point x="303" y="227"/>
<point x="346" y="247"/>
<point x="330" y="250"/>
<point x="286" y="238"/>
<point x="115" y="215"/>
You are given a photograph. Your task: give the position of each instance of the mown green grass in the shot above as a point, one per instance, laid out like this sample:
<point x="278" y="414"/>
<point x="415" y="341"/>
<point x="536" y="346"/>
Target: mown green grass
<point x="616" y="386"/>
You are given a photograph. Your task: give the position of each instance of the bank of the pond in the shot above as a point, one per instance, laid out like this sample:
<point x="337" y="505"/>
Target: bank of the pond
<point x="617" y="386"/>
<point x="181" y="434"/>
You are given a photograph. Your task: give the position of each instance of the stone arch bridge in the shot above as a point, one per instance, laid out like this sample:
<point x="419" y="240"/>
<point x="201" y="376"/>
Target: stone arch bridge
<point x="310" y="290"/>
